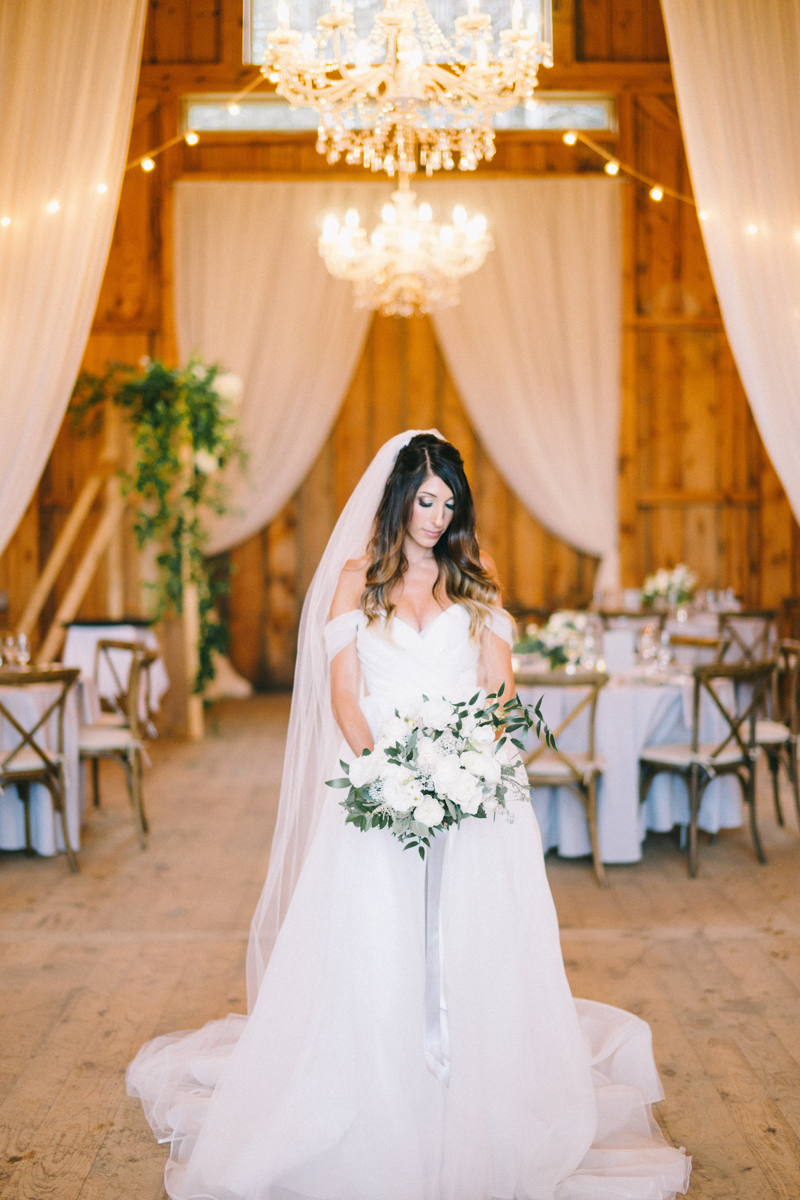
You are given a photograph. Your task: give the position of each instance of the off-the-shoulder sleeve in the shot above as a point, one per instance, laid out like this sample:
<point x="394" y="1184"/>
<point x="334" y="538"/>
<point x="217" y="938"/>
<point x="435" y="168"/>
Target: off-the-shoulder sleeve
<point x="501" y="624"/>
<point x="341" y="631"/>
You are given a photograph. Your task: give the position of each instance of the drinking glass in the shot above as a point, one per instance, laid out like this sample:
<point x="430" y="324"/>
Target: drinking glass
<point x="23" y="650"/>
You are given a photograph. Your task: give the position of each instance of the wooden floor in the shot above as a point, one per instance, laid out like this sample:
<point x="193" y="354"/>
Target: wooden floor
<point x="144" y="943"/>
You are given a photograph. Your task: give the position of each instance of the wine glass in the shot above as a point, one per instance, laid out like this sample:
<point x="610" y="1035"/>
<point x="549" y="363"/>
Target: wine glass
<point x="9" y="651"/>
<point x="23" y="650"/>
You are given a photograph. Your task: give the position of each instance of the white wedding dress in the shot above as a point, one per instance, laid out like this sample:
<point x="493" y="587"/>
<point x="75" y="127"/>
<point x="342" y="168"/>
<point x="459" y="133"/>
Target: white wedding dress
<point x="323" y="1092"/>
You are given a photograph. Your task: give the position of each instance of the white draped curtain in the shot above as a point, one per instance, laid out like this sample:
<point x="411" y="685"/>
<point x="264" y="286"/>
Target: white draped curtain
<point x="534" y="346"/>
<point x="736" y="65"/>
<point x="252" y="294"/>
<point x="68" y="73"/>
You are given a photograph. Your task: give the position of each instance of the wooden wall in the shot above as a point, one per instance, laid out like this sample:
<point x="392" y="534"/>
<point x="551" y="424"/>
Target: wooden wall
<point x="695" y="483"/>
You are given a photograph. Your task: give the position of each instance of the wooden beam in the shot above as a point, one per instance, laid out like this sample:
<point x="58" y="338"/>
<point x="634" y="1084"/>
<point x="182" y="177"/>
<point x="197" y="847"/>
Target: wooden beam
<point x="83" y="577"/>
<point x="683" y="497"/>
<point x="59" y="554"/>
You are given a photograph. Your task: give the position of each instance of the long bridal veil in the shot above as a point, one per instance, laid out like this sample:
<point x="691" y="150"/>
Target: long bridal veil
<point x="314" y="737"/>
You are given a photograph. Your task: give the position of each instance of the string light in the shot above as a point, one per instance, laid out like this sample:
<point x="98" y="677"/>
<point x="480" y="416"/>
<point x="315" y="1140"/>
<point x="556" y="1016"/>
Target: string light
<point x="191" y="138"/>
<point x="5" y="221"/>
<point x="613" y="167"/>
<point x="233" y="109"/>
<point x="702" y="215"/>
<point x="147" y="164"/>
<point x="53" y="206"/>
<point x="752" y="229"/>
<point x="102" y="189"/>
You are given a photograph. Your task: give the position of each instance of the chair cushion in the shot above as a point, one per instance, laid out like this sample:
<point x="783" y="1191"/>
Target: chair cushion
<point x="27" y="761"/>
<point x="682" y="755"/>
<point x="96" y="738"/>
<point x="769" y="733"/>
<point x="549" y="765"/>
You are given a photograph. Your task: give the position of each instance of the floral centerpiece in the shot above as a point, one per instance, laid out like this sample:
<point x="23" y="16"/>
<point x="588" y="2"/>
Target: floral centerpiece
<point x="560" y="641"/>
<point x="433" y="766"/>
<point x="670" y="587"/>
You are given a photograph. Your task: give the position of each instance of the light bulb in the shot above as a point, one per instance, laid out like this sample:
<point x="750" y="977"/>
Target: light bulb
<point x="233" y="109"/>
<point x="702" y="215"/>
<point x="570" y="138"/>
<point x="752" y="229"/>
<point x="102" y="189"/>
<point x="612" y="167"/>
<point x="446" y="234"/>
<point x="351" y="218"/>
<point x="283" y="16"/>
<point x="516" y="16"/>
<point x="656" y="193"/>
<point x="479" y="223"/>
<point x="425" y="212"/>
<point x="191" y="138"/>
<point x="148" y="164"/>
<point x="330" y="227"/>
<point x="388" y="214"/>
<point x="378" y="239"/>
<point x="5" y="221"/>
<point x="362" y="62"/>
<point x="473" y="7"/>
<point x="459" y="215"/>
<point x="53" y="206"/>
<point x="482" y="53"/>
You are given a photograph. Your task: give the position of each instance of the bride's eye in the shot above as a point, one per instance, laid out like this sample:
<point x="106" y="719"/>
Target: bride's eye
<point x="426" y="503"/>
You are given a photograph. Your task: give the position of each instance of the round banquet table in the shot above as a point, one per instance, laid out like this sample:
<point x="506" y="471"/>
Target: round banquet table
<point x="633" y="711"/>
<point x="80" y="649"/>
<point x="27" y="705"/>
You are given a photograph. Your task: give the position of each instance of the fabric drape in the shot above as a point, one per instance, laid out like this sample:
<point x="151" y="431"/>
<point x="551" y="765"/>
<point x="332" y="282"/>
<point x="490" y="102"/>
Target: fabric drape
<point x="736" y="65"/>
<point x="534" y="348"/>
<point x="252" y="293"/>
<point x="68" y="73"/>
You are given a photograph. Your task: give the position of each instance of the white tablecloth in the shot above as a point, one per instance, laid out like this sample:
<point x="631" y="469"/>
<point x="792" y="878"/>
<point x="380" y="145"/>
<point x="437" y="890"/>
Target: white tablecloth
<point x="630" y="715"/>
<point x="28" y="704"/>
<point x="80" y="648"/>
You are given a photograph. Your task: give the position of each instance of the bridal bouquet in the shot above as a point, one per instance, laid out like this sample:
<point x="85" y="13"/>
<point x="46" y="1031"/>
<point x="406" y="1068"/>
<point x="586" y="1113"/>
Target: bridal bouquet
<point x="437" y="764"/>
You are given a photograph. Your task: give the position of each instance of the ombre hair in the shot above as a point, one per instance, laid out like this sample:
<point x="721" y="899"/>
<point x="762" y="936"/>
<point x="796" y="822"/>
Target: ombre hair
<point x="466" y="580"/>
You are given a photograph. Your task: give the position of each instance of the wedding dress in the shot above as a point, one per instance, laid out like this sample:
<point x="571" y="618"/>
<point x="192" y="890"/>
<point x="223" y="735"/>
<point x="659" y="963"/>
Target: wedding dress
<point x="323" y="1092"/>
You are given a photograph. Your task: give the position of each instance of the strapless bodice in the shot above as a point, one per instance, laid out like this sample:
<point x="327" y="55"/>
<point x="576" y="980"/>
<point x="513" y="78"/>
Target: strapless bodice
<point x="401" y="665"/>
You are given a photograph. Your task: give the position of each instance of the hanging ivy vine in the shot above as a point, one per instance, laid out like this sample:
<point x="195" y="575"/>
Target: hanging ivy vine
<point x="184" y="434"/>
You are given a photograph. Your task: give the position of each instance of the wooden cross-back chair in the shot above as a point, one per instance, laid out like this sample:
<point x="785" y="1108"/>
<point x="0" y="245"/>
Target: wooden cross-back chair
<point x="117" y="737"/>
<point x="120" y="703"/>
<point x="734" y="754"/>
<point x="779" y="735"/>
<point x="30" y="760"/>
<point x="577" y="770"/>
<point x="755" y="646"/>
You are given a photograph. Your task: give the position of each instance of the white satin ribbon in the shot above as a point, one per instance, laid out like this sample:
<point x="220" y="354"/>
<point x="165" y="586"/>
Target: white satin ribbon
<point x="437" y="1040"/>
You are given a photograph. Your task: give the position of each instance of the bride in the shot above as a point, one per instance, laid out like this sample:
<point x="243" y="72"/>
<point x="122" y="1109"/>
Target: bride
<point x="339" y="1085"/>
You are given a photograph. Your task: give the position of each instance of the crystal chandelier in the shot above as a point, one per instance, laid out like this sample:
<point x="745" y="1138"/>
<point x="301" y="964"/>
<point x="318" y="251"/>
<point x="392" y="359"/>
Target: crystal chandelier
<point x="409" y="264"/>
<point x="407" y="94"/>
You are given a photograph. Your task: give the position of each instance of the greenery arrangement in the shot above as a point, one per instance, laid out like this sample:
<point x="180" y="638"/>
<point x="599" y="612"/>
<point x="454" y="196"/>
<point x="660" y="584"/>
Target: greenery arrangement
<point x="184" y="433"/>
<point x="669" y="587"/>
<point x="560" y="641"/>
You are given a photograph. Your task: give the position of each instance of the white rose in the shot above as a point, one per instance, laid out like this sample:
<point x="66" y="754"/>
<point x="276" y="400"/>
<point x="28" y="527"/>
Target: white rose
<point x="468" y="793"/>
<point x="468" y="725"/>
<point x="483" y="735"/>
<point x="206" y="462"/>
<point x="427" y="753"/>
<point x="394" y="730"/>
<point x="446" y="773"/>
<point x="491" y="770"/>
<point x="399" y="771"/>
<point x="409" y="713"/>
<point x="363" y="770"/>
<point x="413" y="796"/>
<point x="429" y="812"/>
<point x="472" y="760"/>
<point x="394" y="793"/>
<point x="436" y="714"/>
<point x="228" y="386"/>
<point x="199" y="371"/>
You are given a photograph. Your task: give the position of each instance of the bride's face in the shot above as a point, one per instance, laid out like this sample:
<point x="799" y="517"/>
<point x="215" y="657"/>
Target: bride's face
<point x="431" y="514"/>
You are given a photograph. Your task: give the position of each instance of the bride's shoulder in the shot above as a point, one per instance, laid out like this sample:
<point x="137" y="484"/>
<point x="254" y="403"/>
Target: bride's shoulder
<point x="350" y="588"/>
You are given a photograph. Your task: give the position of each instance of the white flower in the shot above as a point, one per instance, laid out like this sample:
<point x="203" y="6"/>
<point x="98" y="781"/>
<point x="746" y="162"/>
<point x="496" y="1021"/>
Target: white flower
<point x="228" y="386"/>
<point x="446" y="773"/>
<point x="394" y="793"/>
<point x="409" y="713"/>
<point x="492" y="769"/>
<point x="483" y="735"/>
<point x="468" y="793"/>
<point x="413" y="796"/>
<point x="429" y="812"/>
<point x="199" y="372"/>
<point x="394" y="730"/>
<point x="468" y="725"/>
<point x="206" y="462"/>
<point x="472" y="760"/>
<point x="363" y="770"/>
<point x="145" y="361"/>
<point x="436" y="714"/>
<point x="428" y="754"/>
<point x="490" y="805"/>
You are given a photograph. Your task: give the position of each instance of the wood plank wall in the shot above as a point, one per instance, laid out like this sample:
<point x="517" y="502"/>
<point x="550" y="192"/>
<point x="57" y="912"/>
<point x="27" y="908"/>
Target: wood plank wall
<point x="695" y="482"/>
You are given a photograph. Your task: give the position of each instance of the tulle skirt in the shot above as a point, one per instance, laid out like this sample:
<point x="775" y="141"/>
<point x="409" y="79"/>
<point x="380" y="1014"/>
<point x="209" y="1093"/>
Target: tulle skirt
<point x="323" y="1093"/>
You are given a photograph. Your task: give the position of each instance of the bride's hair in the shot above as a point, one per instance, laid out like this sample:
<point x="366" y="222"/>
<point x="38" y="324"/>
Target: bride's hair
<point x="466" y="580"/>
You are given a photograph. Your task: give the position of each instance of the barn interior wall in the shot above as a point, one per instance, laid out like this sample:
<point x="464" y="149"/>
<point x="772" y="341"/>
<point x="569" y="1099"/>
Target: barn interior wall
<point x="695" y="482"/>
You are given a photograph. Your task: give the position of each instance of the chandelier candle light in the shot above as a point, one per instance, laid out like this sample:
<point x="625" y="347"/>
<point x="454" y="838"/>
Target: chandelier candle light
<point x="409" y="264"/>
<point x="407" y="94"/>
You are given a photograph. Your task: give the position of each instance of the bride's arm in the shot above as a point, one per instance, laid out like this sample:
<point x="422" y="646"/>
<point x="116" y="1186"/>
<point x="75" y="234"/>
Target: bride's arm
<point x="495" y="651"/>
<point x="345" y="669"/>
